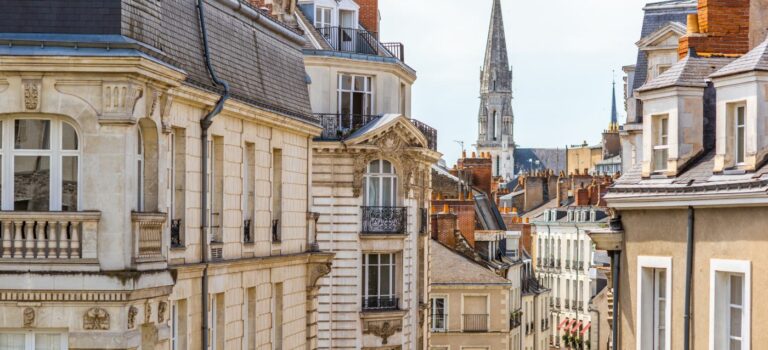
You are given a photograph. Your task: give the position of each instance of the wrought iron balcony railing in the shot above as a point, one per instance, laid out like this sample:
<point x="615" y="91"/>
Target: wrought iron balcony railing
<point x="385" y="220"/>
<point x="176" y="241"/>
<point x="429" y="132"/>
<point x="475" y="322"/>
<point x="360" y="41"/>
<point x="380" y="303"/>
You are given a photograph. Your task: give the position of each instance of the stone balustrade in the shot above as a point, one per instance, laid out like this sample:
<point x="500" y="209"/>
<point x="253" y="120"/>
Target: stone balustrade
<point x="148" y="236"/>
<point x="49" y="235"/>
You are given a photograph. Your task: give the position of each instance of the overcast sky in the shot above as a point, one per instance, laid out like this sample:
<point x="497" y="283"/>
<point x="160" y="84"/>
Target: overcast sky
<point x="562" y="52"/>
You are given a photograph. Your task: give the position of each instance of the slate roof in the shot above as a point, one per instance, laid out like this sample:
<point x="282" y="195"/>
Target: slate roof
<point x="454" y="268"/>
<point x="263" y="68"/>
<point x="657" y="15"/>
<point x="755" y="60"/>
<point x="691" y="71"/>
<point x="549" y="158"/>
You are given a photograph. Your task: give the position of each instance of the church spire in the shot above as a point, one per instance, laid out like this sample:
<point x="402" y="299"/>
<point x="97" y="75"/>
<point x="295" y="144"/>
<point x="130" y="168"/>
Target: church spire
<point x="496" y="75"/>
<point x="614" y="126"/>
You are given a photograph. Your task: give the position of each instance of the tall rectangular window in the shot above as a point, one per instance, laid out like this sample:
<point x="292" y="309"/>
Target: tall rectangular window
<point x="355" y="97"/>
<point x="217" y="189"/>
<point x="34" y="340"/>
<point x="403" y="99"/>
<point x="178" y="186"/>
<point x="730" y="304"/>
<point x="323" y="18"/>
<point x="660" y="142"/>
<point x="439" y="314"/>
<point x="379" y="281"/>
<point x="277" y="317"/>
<point x="179" y="327"/>
<point x="217" y="316"/>
<point x="277" y="193"/>
<point x="249" y="192"/>
<point x="250" y="319"/>
<point x="654" y="288"/>
<point x="740" y="136"/>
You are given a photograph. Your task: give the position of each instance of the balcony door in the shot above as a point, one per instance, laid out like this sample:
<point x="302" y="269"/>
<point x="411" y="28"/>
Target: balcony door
<point x="380" y="184"/>
<point x="348" y="33"/>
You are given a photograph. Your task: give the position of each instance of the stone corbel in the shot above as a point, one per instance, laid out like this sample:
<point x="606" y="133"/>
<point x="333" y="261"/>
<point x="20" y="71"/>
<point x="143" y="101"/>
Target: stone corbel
<point x="119" y="102"/>
<point x="315" y="271"/>
<point x="383" y="329"/>
<point x="166" y="100"/>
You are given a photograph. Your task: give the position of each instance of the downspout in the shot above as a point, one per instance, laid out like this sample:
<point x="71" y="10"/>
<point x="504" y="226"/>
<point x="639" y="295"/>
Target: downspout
<point x="688" y="277"/>
<point x="616" y="256"/>
<point x="205" y="123"/>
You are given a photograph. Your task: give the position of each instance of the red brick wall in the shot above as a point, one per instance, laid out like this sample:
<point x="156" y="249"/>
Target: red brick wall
<point x="443" y="227"/>
<point x="724" y="26"/>
<point x="465" y="216"/>
<point x="369" y="14"/>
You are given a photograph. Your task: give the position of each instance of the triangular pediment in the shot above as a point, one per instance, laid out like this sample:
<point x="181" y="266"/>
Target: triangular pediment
<point x="391" y="132"/>
<point x="666" y="37"/>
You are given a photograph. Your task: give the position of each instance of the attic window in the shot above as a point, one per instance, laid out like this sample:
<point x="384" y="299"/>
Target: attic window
<point x="660" y="142"/>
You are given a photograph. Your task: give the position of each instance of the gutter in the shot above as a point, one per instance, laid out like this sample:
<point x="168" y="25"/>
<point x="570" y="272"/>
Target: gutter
<point x="688" y="278"/>
<point x="205" y="124"/>
<point x="265" y="21"/>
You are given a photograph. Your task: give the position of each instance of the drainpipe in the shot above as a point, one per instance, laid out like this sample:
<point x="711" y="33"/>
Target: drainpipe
<point x="205" y="123"/>
<point x="616" y="256"/>
<point x="688" y="277"/>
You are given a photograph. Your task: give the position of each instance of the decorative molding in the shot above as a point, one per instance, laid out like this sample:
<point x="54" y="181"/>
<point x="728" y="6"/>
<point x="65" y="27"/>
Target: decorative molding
<point x="96" y="319"/>
<point x="29" y="317"/>
<point x="383" y="329"/>
<point x="62" y="296"/>
<point x="166" y="101"/>
<point x="161" y="309"/>
<point x="32" y="94"/>
<point x="147" y="312"/>
<point x="132" y="312"/>
<point x="119" y="100"/>
<point x="316" y="271"/>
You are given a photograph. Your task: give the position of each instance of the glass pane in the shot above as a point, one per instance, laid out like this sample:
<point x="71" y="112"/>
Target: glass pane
<point x="47" y="341"/>
<point x="368" y="105"/>
<point x="346" y="82"/>
<point x="661" y="340"/>
<point x="735" y="344"/>
<point x="358" y="103"/>
<point x="359" y="83"/>
<point x="386" y="167"/>
<point x="372" y="192"/>
<point x="736" y="289"/>
<point x="373" y="259"/>
<point x="69" y="183"/>
<point x="11" y="341"/>
<point x="662" y="283"/>
<point x="368" y="84"/>
<point x="662" y="313"/>
<point x="374" y="167"/>
<point x="735" y="322"/>
<point x="68" y="137"/>
<point x="346" y="103"/>
<point x="385" y="259"/>
<point x="373" y="280"/>
<point x="32" y="134"/>
<point x="31" y="180"/>
<point x="386" y="193"/>
<point x="385" y="280"/>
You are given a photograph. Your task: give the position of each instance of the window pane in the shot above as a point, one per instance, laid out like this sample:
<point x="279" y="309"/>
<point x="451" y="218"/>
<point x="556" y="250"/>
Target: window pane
<point x="386" y="192"/>
<point x="374" y="168"/>
<point x="372" y="192"/>
<point x="735" y="322"/>
<point x="385" y="259"/>
<point x="373" y="280"/>
<point x="11" y="341"/>
<point x="662" y="283"/>
<point x="736" y="289"/>
<point x="662" y="313"/>
<point x="735" y="344"/>
<point x="31" y="181"/>
<point x="346" y="82"/>
<point x="346" y="103"/>
<point x="661" y="340"/>
<point x="47" y="341"/>
<point x="359" y="83"/>
<point x="32" y="134"/>
<point x="68" y="137"/>
<point x="69" y="183"/>
<point x="387" y="167"/>
<point x="386" y="275"/>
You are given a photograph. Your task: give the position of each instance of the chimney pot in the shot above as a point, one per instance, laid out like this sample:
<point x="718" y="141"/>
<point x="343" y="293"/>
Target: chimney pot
<point x="693" y="23"/>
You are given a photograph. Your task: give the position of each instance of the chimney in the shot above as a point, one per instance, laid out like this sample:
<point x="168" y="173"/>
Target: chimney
<point x="443" y="227"/>
<point x="534" y="192"/>
<point x="369" y="14"/>
<point x="722" y="27"/>
<point x="693" y="23"/>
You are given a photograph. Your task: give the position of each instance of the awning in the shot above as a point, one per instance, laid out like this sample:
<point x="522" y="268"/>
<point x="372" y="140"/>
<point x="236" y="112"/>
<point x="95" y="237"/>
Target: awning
<point x="570" y="325"/>
<point x="589" y="324"/>
<point x="576" y="327"/>
<point x="560" y="326"/>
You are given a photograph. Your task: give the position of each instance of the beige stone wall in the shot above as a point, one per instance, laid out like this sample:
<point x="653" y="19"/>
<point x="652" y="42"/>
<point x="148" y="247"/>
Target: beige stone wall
<point x="498" y="336"/>
<point x="720" y="233"/>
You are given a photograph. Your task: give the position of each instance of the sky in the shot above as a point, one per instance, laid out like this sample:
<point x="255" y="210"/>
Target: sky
<point x="563" y="52"/>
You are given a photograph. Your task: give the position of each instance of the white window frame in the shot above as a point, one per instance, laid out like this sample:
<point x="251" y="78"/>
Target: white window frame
<point x="392" y="277"/>
<point x="736" y="126"/>
<point x="382" y="176"/>
<point x="140" y="170"/>
<point x="368" y="84"/>
<point x="324" y="22"/>
<point x="174" y="326"/>
<point x="654" y="262"/>
<point x="433" y="313"/>
<point x="55" y="155"/>
<point x="721" y="266"/>
<point x="29" y="336"/>
<point x="660" y="139"/>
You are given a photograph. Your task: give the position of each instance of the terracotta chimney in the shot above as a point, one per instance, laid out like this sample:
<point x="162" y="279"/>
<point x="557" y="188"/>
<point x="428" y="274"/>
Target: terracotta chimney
<point x="369" y="14"/>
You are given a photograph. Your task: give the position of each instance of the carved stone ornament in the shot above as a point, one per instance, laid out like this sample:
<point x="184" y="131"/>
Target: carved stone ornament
<point x="132" y="312"/>
<point x="161" y="309"/>
<point x="96" y="319"/>
<point x="390" y="142"/>
<point x="147" y="312"/>
<point x="29" y="317"/>
<point x="316" y="271"/>
<point x="31" y="95"/>
<point x="383" y="329"/>
<point x="119" y="99"/>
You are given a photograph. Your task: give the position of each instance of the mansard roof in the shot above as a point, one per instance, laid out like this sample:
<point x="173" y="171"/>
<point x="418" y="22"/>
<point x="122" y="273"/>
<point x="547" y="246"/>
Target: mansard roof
<point x="755" y="60"/>
<point x="457" y="269"/>
<point x="496" y="62"/>
<point x="691" y="71"/>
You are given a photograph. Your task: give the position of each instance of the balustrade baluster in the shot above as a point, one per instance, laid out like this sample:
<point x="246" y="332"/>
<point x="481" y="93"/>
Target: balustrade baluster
<point x="61" y="233"/>
<point x="17" y="241"/>
<point x="40" y="240"/>
<point x="52" y="243"/>
<point x="29" y="238"/>
<point x="7" y="239"/>
<point x="74" y="241"/>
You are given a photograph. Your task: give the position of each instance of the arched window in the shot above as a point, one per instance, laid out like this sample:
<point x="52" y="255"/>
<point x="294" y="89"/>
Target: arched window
<point x="139" y="170"/>
<point x="40" y="159"/>
<point x="380" y="184"/>
<point x="146" y="166"/>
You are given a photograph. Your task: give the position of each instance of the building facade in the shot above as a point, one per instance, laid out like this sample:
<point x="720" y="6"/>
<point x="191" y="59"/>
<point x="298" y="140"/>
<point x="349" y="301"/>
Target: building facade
<point x="146" y="207"/>
<point x="495" y="118"/>
<point x="371" y="170"/>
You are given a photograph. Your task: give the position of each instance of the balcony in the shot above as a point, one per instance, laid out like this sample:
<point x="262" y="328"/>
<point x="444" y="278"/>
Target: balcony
<point x="379" y="303"/>
<point x="360" y="41"/>
<point x="148" y="238"/>
<point x="53" y="237"/>
<point x="385" y="220"/>
<point x="475" y="322"/>
<point x="337" y="127"/>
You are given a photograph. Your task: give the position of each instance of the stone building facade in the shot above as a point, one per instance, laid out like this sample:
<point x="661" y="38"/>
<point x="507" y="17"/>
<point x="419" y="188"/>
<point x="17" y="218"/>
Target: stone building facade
<point x="115" y="252"/>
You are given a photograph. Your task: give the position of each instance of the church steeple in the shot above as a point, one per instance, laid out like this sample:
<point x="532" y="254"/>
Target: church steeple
<point x="614" y="126"/>
<point x="496" y="75"/>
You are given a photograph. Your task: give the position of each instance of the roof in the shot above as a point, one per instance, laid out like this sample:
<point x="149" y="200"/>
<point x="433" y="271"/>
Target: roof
<point x="541" y="209"/>
<point x="461" y="271"/>
<point x="549" y="158"/>
<point x="444" y="172"/>
<point x="691" y="71"/>
<point x="263" y="68"/>
<point x="755" y="60"/>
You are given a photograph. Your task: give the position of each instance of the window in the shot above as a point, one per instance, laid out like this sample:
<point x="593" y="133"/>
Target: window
<point x="739" y="134"/>
<point x="474" y="311"/>
<point x="40" y="160"/>
<point x="178" y="186"/>
<point x="355" y="98"/>
<point x="217" y="315"/>
<point x="217" y="189"/>
<point x="250" y="319"/>
<point x="660" y="142"/>
<point x="277" y="193"/>
<point x="179" y="327"/>
<point x="663" y="68"/>
<point x="249" y="196"/>
<point x="653" y="317"/>
<point x="493" y="126"/>
<point x="380" y="184"/>
<point x="323" y="17"/>
<point x="139" y="170"/>
<point x="729" y="307"/>
<point x="277" y="317"/>
<point x="379" y="281"/>
<point x="439" y="314"/>
<point x="33" y="340"/>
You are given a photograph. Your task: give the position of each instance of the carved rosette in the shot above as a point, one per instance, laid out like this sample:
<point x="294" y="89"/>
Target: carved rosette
<point x="32" y="95"/>
<point x="29" y="317"/>
<point x="96" y="319"/>
<point x="132" y="312"/>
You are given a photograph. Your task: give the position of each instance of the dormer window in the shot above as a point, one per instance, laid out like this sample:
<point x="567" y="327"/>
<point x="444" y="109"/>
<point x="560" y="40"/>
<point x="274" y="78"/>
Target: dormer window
<point x="738" y="119"/>
<point x="660" y="142"/>
<point x="323" y="17"/>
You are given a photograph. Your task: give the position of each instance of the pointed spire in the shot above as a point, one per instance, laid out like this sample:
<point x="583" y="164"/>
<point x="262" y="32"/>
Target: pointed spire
<point x="496" y="75"/>
<point x="614" y="126"/>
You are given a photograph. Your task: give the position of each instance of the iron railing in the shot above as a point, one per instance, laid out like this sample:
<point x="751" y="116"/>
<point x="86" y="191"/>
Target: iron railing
<point x="276" y="236"/>
<point x="397" y="50"/>
<point x="340" y="126"/>
<point x="247" y="234"/>
<point x="383" y="220"/>
<point x="380" y="303"/>
<point x="429" y="132"/>
<point x="360" y="41"/>
<point x="176" y="234"/>
<point x="475" y="322"/>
